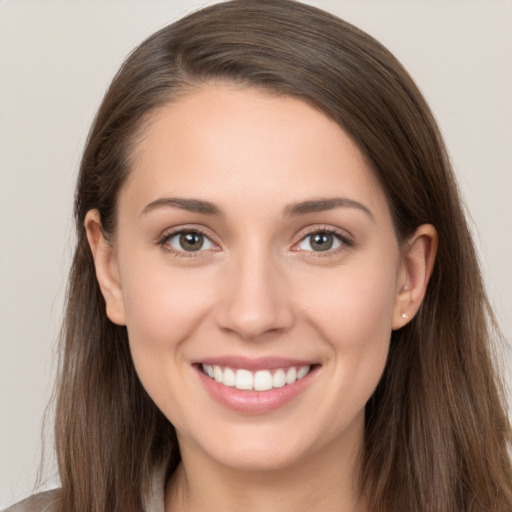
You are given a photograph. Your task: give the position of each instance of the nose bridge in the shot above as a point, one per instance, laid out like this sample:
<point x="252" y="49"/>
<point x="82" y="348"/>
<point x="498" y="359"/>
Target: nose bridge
<point x="255" y="300"/>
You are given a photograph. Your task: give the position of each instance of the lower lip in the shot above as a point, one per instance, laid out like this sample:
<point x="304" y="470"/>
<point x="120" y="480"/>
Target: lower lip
<point x="255" y="402"/>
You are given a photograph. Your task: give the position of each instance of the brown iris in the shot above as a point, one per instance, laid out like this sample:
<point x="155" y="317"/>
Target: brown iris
<point x="191" y="241"/>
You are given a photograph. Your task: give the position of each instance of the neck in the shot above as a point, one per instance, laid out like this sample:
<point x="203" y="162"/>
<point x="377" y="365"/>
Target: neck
<point x="326" y="482"/>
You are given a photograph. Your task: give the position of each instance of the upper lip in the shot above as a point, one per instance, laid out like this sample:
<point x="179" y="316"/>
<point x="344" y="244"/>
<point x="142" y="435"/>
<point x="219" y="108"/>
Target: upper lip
<point x="259" y="363"/>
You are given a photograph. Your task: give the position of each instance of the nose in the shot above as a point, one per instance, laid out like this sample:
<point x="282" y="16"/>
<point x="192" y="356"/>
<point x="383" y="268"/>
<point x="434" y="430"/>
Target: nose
<point x="255" y="300"/>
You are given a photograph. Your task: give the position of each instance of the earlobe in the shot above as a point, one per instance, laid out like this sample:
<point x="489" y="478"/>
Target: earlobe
<point x="417" y="263"/>
<point x="106" y="265"/>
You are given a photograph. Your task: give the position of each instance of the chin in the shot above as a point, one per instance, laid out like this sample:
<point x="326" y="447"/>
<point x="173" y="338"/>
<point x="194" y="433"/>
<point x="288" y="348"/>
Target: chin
<point x="274" y="447"/>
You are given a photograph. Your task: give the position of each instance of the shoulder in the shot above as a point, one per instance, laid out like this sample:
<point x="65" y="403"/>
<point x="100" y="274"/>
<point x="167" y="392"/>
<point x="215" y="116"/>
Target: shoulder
<point x="42" y="502"/>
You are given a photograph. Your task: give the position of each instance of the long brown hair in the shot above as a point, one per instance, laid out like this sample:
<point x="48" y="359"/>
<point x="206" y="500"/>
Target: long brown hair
<point x="436" y="436"/>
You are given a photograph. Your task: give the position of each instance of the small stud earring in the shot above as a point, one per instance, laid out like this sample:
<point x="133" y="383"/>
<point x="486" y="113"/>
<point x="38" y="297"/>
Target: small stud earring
<point x="405" y="315"/>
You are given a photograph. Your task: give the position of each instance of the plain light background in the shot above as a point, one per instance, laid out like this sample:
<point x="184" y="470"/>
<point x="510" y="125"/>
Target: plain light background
<point x="56" y="60"/>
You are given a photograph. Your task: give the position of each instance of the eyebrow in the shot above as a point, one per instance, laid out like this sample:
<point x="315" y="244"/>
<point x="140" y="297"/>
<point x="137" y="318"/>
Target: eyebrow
<point x="322" y="205"/>
<point x="189" y="205"/>
<point x="292" y="210"/>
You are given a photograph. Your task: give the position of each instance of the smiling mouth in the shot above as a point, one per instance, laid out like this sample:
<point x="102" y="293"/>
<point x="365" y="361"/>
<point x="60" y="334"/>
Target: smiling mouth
<point x="260" y="380"/>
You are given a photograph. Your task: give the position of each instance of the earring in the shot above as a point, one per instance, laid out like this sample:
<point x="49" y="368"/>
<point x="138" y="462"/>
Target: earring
<point x="405" y="315"/>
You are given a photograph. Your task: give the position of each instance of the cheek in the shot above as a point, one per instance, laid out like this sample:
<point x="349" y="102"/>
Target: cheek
<point x="352" y="303"/>
<point x="163" y="310"/>
<point x="163" y="307"/>
<point x="352" y="310"/>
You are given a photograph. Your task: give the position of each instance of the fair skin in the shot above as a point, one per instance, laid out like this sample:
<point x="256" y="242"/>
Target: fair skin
<point x="252" y="236"/>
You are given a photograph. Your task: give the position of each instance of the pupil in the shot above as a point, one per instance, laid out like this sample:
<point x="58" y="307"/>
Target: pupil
<point x="322" y="241"/>
<point x="191" y="241"/>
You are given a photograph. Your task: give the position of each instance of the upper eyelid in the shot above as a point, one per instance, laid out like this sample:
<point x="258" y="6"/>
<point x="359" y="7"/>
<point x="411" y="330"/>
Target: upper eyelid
<point x="171" y="232"/>
<point x="346" y="240"/>
<point x="298" y="251"/>
<point x="186" y="229"/>
<point x="311" y="230"/>
<point x="303" y="233"/>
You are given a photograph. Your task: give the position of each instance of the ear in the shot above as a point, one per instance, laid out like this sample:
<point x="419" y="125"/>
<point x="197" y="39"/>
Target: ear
<point x="417" y="262"/>
<point x="107" y="270"/>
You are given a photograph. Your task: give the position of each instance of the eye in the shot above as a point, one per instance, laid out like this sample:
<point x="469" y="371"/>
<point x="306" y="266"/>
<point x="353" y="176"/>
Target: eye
<point x="321" y="241"/>
<point x="188" y="241"/>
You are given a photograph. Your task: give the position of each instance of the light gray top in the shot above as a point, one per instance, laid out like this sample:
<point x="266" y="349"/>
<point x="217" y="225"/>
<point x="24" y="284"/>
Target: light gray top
<point x="45" y="501"/>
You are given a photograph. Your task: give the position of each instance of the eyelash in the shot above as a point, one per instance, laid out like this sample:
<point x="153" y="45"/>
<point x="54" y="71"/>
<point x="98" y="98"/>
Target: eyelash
<point x="163" y="242"/>
<point x="343" y="239"/>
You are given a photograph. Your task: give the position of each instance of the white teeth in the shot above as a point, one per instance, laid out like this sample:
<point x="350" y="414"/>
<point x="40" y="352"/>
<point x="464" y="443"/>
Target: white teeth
<point x="229" y="377"/>
<point x="278" y="379"/>
<point x="244" y="379"/>
<point x="302" y="372"/>
<point x="291" y="375"/>
<point x="217" y="373"/>
<point x="261" y="380"/>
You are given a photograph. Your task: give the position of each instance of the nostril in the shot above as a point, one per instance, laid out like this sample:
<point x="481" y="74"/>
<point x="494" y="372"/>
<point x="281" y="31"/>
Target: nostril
<point x="252" y="321"/>
<point x="253" y="302"/>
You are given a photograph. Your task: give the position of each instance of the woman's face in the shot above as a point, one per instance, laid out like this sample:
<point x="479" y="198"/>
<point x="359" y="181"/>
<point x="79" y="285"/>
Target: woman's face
<point x="255" y="245"/>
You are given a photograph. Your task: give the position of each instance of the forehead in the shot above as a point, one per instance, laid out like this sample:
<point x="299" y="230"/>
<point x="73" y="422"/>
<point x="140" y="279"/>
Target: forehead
<point x="252" y="144"/>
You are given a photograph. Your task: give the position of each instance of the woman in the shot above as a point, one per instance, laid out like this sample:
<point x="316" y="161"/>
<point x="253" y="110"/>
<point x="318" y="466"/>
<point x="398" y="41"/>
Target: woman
<point x="274" y="301"/>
